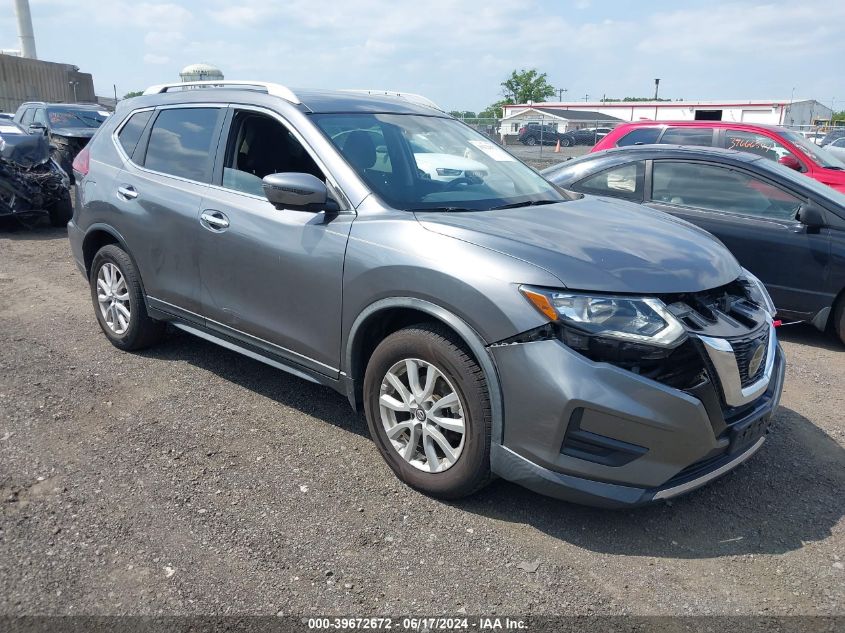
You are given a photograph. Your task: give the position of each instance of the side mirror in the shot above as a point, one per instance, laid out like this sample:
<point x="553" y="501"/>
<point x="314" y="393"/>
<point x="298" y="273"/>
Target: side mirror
<point x="790" y="161"/>
<point x="811" y="215"/>
<point x="301" y="192"/>
<point x="37" y="128"/>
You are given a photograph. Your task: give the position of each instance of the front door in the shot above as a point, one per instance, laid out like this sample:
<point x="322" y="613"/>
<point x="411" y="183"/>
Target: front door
<point x="272" y="278"/>
<point x="756" y="221"/>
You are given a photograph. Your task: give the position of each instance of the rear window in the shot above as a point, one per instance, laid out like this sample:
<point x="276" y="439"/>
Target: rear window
<point x="640" y="136"/>
<point x="688" y="136"/>
<point x="131" y="132"/>
<point x="181" y="142"/>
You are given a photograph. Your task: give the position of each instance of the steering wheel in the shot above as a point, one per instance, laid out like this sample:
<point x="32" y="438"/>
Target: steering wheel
<point x="463" y="180"/>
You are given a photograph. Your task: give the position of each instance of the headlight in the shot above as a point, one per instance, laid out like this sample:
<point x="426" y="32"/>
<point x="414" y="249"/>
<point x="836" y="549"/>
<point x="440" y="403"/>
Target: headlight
<point x="757" y="292"/>
<point x="635" y="319"/>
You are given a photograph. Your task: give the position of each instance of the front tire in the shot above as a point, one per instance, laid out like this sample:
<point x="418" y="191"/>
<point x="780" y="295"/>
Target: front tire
<point x="119" y="301"/>
<point x="428" y="411"/>
<point x="566" y="141"/>
<point x="531" y="141"/>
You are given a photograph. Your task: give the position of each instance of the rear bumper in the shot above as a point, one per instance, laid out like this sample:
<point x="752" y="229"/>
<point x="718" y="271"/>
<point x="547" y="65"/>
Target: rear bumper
<point x="675" y="445"/>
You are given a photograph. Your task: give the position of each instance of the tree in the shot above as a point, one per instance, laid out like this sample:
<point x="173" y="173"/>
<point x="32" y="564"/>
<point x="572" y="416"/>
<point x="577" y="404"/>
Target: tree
<point x="527" y="85"/>
<point x="838" y="116"/>
<point x="609" y="99"/>
<point x="494" y="111"/>
<point x="463" y="114"/>
<point x="134" y="93"/>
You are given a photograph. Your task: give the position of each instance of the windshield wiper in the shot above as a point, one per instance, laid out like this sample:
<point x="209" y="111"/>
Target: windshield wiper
<point x="530" y="203"/>
<point x="446" y="209"/>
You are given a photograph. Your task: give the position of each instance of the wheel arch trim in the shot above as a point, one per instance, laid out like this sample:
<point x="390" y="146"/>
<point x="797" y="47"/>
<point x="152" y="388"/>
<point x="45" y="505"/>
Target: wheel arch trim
<point x="121" y="242"/>
<point x="468" y="335"/>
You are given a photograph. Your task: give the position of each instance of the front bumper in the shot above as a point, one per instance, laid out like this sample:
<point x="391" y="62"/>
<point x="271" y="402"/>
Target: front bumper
<point x="660" y="441"/>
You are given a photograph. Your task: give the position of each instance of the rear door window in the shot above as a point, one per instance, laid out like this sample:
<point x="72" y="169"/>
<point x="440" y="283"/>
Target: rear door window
<point x="640" y="136"/>
<point x="131" y="131"/>
<point x="756" y="144"/>
<point x="688" y="136"/>
<point x="182" y="141"/>
<point x="622" y="181"/>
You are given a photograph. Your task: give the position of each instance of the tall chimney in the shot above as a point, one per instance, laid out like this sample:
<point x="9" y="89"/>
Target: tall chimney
<point x="27" y="37"/>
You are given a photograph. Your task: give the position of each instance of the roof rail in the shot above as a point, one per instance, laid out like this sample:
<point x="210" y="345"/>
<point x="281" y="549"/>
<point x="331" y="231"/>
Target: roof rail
<point x="276" y="90"/>
<point x="407" y="96"/>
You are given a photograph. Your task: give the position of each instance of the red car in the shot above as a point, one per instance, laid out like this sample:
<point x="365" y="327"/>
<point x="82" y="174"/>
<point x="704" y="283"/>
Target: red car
<point x="785" y="146"/>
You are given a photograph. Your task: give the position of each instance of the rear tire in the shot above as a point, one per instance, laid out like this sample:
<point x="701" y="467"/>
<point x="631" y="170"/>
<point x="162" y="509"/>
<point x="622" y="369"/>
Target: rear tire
<point x="839" y="319"/>
<point x="531" y="141"/>
<point x="455" y="378"/>
<point x="119" y="301"/>
<point x="61" y="211"/>
<point x="566" y="141"/>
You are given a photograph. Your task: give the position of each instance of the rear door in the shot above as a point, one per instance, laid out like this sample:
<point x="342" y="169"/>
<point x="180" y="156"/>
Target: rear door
<point x="167" y="168"/>
<point x="755" y="219"/>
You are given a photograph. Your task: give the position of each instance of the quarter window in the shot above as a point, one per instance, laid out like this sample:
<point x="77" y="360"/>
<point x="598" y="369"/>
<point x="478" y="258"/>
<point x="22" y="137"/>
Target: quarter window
<point x="718" y="188"/>
<point x="131" y="132"/>
<point x="181" y="142"/>
<point x="688" y="136"/>
<point x="623" y="181"/>
<point x="756" y="144"/>
<point x="640" y="136"/>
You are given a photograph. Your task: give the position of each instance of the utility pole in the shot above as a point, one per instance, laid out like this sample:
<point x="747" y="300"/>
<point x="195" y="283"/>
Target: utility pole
<point x="74" y="84"/>
<point x="656" y="88"/>
<point x="586" y="98"/>
<point x="560" y="92"/>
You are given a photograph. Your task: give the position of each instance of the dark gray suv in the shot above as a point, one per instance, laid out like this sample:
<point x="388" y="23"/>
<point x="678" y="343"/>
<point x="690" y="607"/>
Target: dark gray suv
<point x="487" y="322"/>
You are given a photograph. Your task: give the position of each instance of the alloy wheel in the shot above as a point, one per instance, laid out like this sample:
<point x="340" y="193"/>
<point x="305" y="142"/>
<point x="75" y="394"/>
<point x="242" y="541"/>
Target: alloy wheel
<point x="113" y="298"/>
<point x="422" y="415"/>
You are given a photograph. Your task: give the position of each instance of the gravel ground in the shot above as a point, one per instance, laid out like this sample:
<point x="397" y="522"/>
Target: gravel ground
<point x="190" y="480"/>
<point x="540" y="158"/>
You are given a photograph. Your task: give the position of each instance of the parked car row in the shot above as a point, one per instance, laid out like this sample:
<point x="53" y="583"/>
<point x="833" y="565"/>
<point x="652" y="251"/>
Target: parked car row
<point x="778" y="144"/>
<point x="487" y="324"/>
<point x="548" y="134"/>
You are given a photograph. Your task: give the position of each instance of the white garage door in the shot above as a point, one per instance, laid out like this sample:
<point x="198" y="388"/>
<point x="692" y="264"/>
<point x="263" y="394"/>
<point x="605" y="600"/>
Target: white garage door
<point x="759" y="116"/>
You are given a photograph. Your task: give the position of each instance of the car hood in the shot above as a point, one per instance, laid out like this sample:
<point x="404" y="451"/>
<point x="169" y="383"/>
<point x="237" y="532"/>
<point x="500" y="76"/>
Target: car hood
<point x="598" y="244"/>
<point x="431" y="160"/>
<point x="74" y="132"/>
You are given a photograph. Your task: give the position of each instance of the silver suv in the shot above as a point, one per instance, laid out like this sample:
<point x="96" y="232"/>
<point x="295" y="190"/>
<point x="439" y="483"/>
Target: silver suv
<point x="487" y="322"/>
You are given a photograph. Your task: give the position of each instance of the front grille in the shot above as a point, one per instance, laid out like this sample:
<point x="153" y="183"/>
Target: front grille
<point x="744" y="350"/>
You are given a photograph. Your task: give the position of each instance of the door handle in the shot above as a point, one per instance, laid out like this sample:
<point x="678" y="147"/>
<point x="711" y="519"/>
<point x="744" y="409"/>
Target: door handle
<point x="215" y="220"/>
<point x="127" y="192"/>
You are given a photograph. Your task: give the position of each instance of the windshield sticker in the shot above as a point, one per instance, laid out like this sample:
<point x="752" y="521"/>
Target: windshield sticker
<point x="103" y="113"/>
<point x="493" y="151"/>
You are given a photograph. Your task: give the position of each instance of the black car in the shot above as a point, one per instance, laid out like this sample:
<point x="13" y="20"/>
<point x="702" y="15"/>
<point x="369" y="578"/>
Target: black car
<point x="68" y="126"/>
<point x="787" y="229"/>
<point x="585" y="136"/>
<point x="537" y="134"/>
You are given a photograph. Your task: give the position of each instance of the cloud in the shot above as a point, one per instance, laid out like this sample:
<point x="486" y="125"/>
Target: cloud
<point x="151" y="58"/>
<point x="163" y="39"/>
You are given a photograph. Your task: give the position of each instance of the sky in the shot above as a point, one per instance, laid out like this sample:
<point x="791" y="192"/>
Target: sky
<point x="457" y="53"/>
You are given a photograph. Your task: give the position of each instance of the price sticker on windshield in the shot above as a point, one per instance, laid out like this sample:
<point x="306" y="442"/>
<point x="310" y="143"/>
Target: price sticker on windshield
<point x="493" y="151"/>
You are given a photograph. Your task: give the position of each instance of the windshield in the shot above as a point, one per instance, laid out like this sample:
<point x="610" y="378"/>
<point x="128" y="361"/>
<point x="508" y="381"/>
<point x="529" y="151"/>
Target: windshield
<point x="68" y="117"/>
<point x="420" y="163"/>
<point x="818" y="154"/>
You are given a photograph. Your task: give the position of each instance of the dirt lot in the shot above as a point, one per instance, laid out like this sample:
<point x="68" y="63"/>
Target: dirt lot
<point x="188" y="479"/>
<point x="541" y="157"/>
